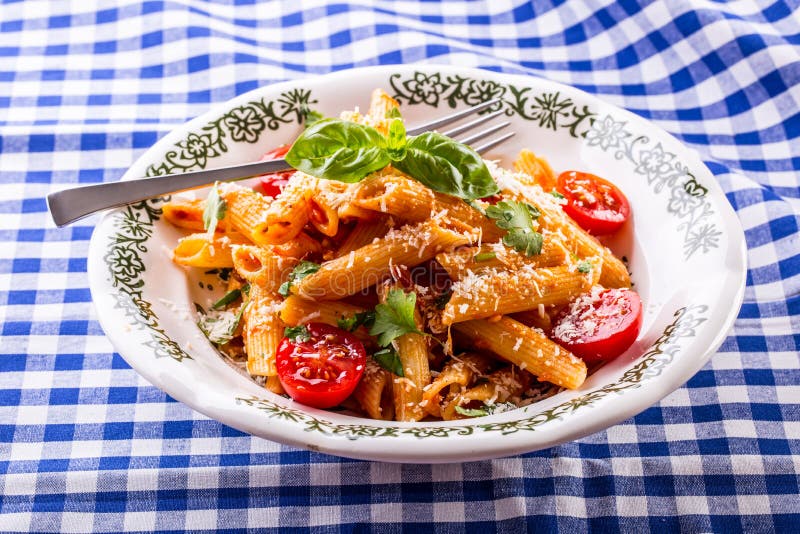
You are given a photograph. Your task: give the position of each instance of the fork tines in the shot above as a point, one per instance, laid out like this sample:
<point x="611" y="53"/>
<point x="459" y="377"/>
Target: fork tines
<point x="471" y="125"/>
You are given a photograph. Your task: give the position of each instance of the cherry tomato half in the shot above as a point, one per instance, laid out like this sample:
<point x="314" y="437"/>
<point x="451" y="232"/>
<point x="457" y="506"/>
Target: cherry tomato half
<point x="597" y="205"/>
<point x="273" y="184"/>
<point x="601" y="325"/>
<point x="323" y="370"/>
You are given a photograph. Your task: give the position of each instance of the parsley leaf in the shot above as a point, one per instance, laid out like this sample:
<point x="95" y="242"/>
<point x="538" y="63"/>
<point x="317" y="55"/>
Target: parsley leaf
<point x="215" y="210"/>
<point x="395" y="317"/>
<point x="585" y="266"/>
<point x="352" y="322"/>
<point x="301" y="270"/>
<point x="298" y="334"/>
<point x="529" y="243"/>
<point x="394" y="113"/>
<point x="556" y="194"/>
<point x="389" y="360"/>
<point x="517" y="218"/>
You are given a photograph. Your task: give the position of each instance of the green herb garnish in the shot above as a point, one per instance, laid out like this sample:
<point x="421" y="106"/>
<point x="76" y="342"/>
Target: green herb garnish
<point x="394" y="113"/>
<point x="301" y="270"/>
<point x="556" y="194"/>
<point x="219" y="328"/>
<point x="215" y="210"/>
<point x="352" y="322"/>
<point x="484" y="256"/>
<point x="517" y="218"/>
<point x="395" y="317"/>
<point x="298" y="334"/>
<point x="389" y="360"/>
<point x="441" y="300"/>
<point x="585" y="266"/>
<point x="340" y="150"/>
<point x="231" y="296"/>
<point x="486" y="409"/>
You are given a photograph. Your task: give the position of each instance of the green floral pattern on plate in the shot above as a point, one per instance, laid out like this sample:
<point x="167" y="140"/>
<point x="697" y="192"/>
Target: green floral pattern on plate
<point x="650" y="365"/>
<point x="685" y="197"/>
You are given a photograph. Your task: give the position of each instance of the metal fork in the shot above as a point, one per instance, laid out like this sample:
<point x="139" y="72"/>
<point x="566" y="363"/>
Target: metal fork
<point x="69" y="205"/>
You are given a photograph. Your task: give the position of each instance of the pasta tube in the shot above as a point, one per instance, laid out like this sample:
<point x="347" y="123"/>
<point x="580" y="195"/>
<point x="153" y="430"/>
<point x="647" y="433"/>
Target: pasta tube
<point x="263" y="331"/>
<point x="497" y="256"/>
<point x="374" y="392"/>
<point x="456" y="375"/>
<point x="409" y="245"/>
<point x="185" y="213"/>
<point x="537" y="168"/>
<point x="245" y="210"/>
<point x="526" y="348"/>
<point x="479" y="296"/>
<point x="202" y="250"/>
<point x="500" y="386"/>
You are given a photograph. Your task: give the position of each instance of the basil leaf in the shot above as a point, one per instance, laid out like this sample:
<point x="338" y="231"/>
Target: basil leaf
<point x="389" y="360"/>
<point x="340" y="150"/>
<point x="215" y="210"/>
<point x="447" y="166"/>
<point x="395" y="317"/>
<point x="396" y="141"/>
<point x="311" y="116"/>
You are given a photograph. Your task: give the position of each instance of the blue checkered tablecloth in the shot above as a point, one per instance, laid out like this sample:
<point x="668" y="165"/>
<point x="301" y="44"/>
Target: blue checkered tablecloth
<point x="85" y="443"/>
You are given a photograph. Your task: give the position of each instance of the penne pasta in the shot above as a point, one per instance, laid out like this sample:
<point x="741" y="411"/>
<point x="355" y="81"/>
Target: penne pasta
<point x="261" y="266"/>
<point x="500" y="386"/>
<point x="185" y="213"/>
<point x="364" y="233"/>
<point x="536" y="168"/>
<point x="409" y="245"/>
<point x="397" y="195"/>
<point x="497" y="256"/>
<point x="501" y="292"/>
<point x="207" y="251"/>
<point x="526" y="348"/>
<point x="262" y="332"/>
<point x="374" y="392"/>
<point x="455" y="376"/>
<point x="245" y="210"/>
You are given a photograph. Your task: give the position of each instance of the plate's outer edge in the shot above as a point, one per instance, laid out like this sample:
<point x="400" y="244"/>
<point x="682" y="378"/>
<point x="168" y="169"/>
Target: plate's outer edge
<point x="458" y="448"/>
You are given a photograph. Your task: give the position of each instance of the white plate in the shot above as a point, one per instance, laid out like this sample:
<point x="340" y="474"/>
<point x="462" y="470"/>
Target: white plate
<point x="686" y="254"/>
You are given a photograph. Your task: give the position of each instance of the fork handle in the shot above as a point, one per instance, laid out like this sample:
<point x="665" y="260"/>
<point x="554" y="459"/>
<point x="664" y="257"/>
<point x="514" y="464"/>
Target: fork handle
<point x="70" y="205"/>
